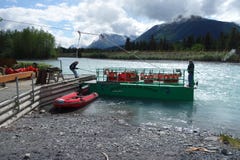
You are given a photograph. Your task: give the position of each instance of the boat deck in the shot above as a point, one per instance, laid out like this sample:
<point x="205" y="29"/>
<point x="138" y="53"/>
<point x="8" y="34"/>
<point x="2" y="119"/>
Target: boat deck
<point x="169" y="85"/>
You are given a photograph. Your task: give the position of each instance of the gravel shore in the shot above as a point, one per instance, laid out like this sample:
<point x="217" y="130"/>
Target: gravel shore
<point x="75" y="136"/>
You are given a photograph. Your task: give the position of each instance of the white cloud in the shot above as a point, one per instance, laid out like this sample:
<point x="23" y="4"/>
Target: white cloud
<point x="40" y="5"/>
<point x="162" y="10"/>
<point x="128" y="17"/>
<point x="155" y="9"/>
<point x="228" y="11"/>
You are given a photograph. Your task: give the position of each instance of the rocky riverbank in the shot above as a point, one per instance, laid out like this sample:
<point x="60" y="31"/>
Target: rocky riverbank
<point x="74" y="136"/>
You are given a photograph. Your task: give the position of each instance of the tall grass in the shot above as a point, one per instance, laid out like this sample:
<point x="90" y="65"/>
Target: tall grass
<point x="234" y="142"/>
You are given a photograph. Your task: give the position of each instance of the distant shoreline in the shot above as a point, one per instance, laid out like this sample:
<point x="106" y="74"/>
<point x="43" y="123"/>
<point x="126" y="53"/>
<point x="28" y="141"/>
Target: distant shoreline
<point x="213" y="56"/>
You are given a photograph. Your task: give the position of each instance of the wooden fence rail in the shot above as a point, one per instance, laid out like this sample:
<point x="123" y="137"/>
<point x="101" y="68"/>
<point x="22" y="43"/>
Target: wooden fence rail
<point x="11" y="110"/>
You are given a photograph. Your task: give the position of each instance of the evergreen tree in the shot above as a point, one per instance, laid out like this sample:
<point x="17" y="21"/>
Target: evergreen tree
<point x="188" y="42"/>
<point x="152" y="44"/>
<point x="128" y="44"/>
<point x="199" y="40"/>
<point x="29" y="43"/>
<point x="6" y="44"/>
<point x="165" y="46"/>
<point x="208" y="42"/>
<point x="233" y="40"/>
<point x="221" y="42"/>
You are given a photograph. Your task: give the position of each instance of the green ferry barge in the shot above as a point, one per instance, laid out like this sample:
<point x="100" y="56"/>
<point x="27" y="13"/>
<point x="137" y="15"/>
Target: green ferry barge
<point x="146" y="83"/>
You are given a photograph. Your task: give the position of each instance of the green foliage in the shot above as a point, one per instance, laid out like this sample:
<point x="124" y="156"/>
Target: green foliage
<point x="230" y="140"/>
<point x="26" y="64"/>
<point x="197" y="47"/>
<point x="153" y="55"/>
<point x="210" y="57"/>
<point x="27" y="44"/>
<point x="234" y="58"/>
<point x="132" y="57"/>
<point x="233" y="39"/>
<point x="96" y="55"/>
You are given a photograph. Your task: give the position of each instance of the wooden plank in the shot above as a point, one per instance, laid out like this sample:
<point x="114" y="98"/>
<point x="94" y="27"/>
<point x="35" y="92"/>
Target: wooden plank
<point x="12" y="77"/>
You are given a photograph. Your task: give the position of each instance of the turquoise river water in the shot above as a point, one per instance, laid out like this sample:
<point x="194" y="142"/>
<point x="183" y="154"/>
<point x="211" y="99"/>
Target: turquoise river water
<point x="216" y="101"/>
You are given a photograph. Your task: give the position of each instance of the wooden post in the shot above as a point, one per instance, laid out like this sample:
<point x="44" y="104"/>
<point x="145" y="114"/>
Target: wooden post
<point x="17" y="90"/>
<point x="32" y="88"/>
<point x="61" y="64"/>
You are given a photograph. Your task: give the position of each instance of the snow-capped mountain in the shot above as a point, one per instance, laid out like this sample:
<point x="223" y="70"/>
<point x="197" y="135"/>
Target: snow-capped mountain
<point x="110" y="40"/>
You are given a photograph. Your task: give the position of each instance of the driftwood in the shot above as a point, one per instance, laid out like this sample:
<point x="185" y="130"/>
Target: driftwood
<point x="191" y="149"/>
<point x="106" y="156"/>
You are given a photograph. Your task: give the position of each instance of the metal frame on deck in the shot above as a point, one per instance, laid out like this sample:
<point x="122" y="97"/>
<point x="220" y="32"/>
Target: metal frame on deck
<point x="103" y="77"/>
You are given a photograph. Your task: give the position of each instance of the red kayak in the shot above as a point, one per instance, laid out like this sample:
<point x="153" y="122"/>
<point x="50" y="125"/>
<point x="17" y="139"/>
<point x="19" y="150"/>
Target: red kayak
<point x="73" y="100"/>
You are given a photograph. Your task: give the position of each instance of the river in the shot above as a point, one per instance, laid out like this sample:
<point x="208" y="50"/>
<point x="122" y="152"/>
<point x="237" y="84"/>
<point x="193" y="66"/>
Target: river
<point x="215" y="107"/>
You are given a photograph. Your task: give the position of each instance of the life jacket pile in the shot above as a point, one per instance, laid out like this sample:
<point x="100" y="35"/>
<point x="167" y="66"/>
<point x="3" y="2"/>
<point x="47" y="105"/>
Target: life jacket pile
<point x="25" y="69"/>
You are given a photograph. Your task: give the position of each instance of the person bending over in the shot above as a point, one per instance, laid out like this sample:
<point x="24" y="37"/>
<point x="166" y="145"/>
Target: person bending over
<point x="73" y="68"/>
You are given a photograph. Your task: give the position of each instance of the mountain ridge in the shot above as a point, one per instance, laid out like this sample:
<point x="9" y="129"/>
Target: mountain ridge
<point x="174" y="31"/>
<point x="195" y="26"/>
<point x="107" y="40"/>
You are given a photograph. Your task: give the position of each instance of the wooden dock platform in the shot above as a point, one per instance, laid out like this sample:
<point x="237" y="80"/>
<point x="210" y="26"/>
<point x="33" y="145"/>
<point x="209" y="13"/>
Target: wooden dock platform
<point x="9" y="90"/>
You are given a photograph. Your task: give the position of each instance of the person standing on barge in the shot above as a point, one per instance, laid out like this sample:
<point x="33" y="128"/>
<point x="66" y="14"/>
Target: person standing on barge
<point x="190" y="74"/>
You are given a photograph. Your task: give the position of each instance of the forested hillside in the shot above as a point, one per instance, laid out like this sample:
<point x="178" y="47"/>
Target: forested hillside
<point x="29" y="43"/>
<point x="195" y="34"/>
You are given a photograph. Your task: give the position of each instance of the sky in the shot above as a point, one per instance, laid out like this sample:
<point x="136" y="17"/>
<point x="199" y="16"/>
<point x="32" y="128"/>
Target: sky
<point x="64" y="18"/>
